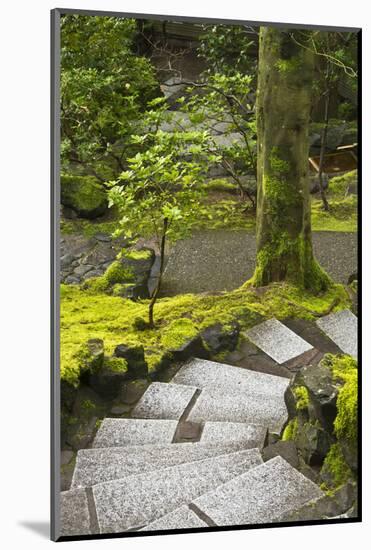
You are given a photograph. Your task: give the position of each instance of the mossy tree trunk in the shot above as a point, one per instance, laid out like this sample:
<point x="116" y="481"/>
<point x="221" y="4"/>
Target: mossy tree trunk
<point x="156" y="292"/>
<point x="284" y="240"/>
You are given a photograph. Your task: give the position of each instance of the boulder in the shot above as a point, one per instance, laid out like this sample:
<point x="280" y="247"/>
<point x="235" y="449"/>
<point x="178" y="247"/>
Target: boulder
<point x="220" y="338"/>
<point x="134" y="357"/>
<point x="323" y="392"/>
<point x="83" y="195"/>
<point x="108" y="380"/>
<point x="286" y="449"/>
<point x="314" y="443"/>
<point x="194" y="347"/>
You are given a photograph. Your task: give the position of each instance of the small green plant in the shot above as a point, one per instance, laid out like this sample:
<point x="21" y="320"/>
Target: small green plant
<point x="159" y="194"/>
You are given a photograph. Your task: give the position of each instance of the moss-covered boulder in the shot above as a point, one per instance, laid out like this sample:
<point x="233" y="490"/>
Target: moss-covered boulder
<point x="127" y="276"/>
<point x="84" y="195"/>
<point x="134" y="358"/>
<point x="323" y="409"/>
<point x="109" y="379"/>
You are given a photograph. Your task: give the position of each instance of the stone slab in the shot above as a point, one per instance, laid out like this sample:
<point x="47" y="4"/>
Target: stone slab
<point x="181" y="518"/>
<point x="118" y="432"/>
<point x="258" y="496"/>
<point x="136" y="501"/>
<point x="277" y="341"/>
<point x="249" y="435"/>
<point x="203" y="373"/>
<point x="341" y="327"/>
<point x="74" y="513"/>
<point x="218" y="405"/>
<point x="100" y="465"/>
<point x="163" y="400"/>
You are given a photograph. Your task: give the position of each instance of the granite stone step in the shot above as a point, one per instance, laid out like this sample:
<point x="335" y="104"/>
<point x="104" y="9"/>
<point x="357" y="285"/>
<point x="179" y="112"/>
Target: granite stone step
<point x="74" y="513"/>
<point x="341" y="327"/>
<point x="181" y="518"/>
<point x="277" y="340"/>
<point x="138" y="500"/>
<point x="118" y="432"/>
<point x="162" y="400"/>
<point x="100" y="465"/>
<point x="248" y="435"/>
<point x="202" y="373"/>
<point x="261" y="495"/>
<point x="233" y="405"/>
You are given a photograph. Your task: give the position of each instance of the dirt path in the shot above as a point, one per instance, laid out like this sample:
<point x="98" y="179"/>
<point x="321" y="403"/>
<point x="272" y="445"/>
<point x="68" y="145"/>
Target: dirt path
<point x="222" y="260"/>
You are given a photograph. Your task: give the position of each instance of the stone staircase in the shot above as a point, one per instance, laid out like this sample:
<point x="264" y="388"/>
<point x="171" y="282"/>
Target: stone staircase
<point x="190" y="455"/>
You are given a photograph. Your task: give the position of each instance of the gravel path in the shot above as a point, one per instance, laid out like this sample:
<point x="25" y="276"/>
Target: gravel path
<point x="219" y="260"/>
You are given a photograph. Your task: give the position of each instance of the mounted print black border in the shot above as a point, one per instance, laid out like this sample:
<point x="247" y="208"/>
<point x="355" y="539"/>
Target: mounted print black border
<point x="55" y="277"/>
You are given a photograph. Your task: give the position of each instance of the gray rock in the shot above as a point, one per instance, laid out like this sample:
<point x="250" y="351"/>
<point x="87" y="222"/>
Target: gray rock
<point x="66" y="261"/>
<point x="138" y="500"/>
<point x="82" y="270"/>
<point x="92" y="273"/>
<point x="217" y="338"/>
<point x="286" y="449"/>
<point x="103" y="237"/>
<point x="181" y="518"/>
<point x="66" y="457"/>
<point x="118" y="410"/>
<point x="74" y="513"/>
<point x="328" y="506"/>
<point x="163" y="400"/>
<point x="258" y="496"/>
<point x="250" y="435"/>
<point x="133" y="390"/>
<point x="193" y="347"/>
<point x="100" y="465"/>
<point x="71" y="280"/>
<point x="118" y="432"/>
<point x="341" y="327"/>
<point x="277" y="341"/>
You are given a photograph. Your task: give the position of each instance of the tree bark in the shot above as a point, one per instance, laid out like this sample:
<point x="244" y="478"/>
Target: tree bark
<point x="159" y="281"/>
<point x="284" y="238"/>
<point x="322" y="152"/>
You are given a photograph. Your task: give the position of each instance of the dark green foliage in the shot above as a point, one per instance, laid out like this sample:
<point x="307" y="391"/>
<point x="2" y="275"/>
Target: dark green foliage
<point x="104" y="89"/>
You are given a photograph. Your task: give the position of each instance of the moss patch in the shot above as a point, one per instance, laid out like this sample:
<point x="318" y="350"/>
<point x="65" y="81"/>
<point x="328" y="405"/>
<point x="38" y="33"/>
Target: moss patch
<point x="291" y="430"/>
<point x="302" y="397"/>
<point x="84" y="195"/>
<point x="87" y="314"/>
<point x="344" y="368"/>
<point x="335" y="468"/>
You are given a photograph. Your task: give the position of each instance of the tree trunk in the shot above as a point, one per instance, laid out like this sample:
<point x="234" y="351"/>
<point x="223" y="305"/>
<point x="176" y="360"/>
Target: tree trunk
<point x="159" y="281"/>
<point x="322" y="152"/>
<point x="284" y="239"/>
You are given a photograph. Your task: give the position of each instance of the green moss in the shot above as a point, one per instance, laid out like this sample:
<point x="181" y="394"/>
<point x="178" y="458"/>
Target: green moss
<point x="83" y="194"/>
<point x="291" y="430"/>
<point x="88" y="228"/>
<point x="339" y="185"/>
<point x="285" y="258"/>
<point x="344" y="368"/>
<point x="220" y="185"/>
<point x="178" y="332"/>
<point x="88" y="405"/>
<point x="288" y="65"/>
<point x="341" y="217"/>
<point x="116" y="274"/>
<point x="117" y="365"/>
<point x="278" y="165"/>
<point x="336" y="468"/>
<point x="302" y="397"/>
<point x="87" y="314"/>
<point x="137" y="254"/>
